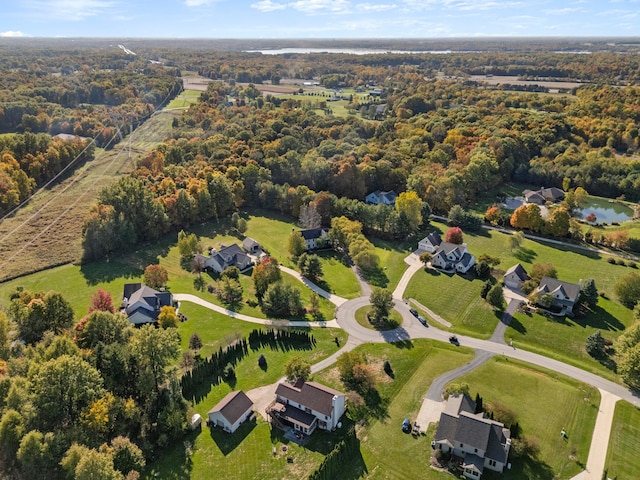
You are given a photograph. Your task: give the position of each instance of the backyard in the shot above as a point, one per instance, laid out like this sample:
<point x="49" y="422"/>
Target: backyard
<point x="623" y="456"/>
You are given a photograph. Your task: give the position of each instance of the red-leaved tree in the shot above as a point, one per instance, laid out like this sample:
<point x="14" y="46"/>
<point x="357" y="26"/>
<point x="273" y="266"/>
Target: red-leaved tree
<point x="454" y="235"/>
<point x="102" y="301"/>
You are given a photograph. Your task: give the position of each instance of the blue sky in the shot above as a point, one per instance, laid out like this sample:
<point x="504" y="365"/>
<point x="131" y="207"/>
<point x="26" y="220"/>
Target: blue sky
<point x="318" y="18"/>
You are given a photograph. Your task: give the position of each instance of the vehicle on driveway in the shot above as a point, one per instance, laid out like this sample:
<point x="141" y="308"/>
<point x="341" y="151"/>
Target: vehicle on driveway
<point x="422" y="320"/>
<point x="453" y="339"/>
<point x="414" y="312"/>
<point x="406" y="425"/>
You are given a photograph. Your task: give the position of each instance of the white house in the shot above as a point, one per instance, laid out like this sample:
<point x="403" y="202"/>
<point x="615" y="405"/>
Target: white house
<point x="231" y="411"/>
<point x="515" y="277"/>
<point x="430" y="243"/>
<point x="449" y="256"/>
<point x="378" y="197"/>
<point x="315" y="238"/>
<point x="231" y="256"/>
<point x="479" y="441"/>
<point x="306" y="406"/>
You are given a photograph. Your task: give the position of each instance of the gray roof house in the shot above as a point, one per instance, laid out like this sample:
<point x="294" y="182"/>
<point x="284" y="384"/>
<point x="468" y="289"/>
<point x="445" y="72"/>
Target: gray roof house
<point x="540" y="197"/>
<point x="231" y="411"/>
<point x="306" y="406"/>
<point x="378" y="197"/>
<point x="479" y="441"/>
<point x="250" y="245"/>
<point x="231" y="256"/>
<point x="515" y="276"/>
<point x="430" y="243"/>
<point x="564" y="294"/>
<point x="142" y="304"/>
<point x="449" y="256"/>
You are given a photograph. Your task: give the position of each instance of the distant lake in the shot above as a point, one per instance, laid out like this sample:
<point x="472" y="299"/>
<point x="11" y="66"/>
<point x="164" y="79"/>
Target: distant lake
<point x="606" y="211"/>
<point x="350" y="51"/>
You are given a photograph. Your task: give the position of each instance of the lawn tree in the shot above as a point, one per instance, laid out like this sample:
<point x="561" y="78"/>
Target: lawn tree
<point x="538" y="270"/>
<point x="381" y="303"/>
<point x="188" y="244"/>
<point x="483" y="270"/>
<point x="296" y="244"/>
<point x="155" y="276"/>
<point x="235" y="218"/>
<point x="454" y="235"/>
<point x="314" y="304"/>
<point x="195" y="342"/>
<point x="264" y="274"/>
<point x="282" y="300"/>
<point x="102" y="301"/>
<point x="167" y="318"/>
<point x="631" y="335"/>
<point x="493" y="214"/>
<point x="627" y="289"/>
<point x="515" y="241"/>
<point x="495" y="297"/>
<point x="230" y="291"/>
<point x="425" y="258"/>
<point x="297" y="369"/>
<point x="346" y="363"/>
<point x="527" y="216"/>
<point x="489" y="260"/>
<point x="588" y="293"/>
<point x="410" y="204"/>
<point x="629" y="367"/>
<point x="310" y="266"/>
<point x="558" y="223"/>
<point x="232" y="272"/>
<point x="242" y="226"/>
<point x="596" y="345"/>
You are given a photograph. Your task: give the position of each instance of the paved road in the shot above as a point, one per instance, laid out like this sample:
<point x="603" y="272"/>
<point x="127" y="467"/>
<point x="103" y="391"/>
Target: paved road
<point x="501" y="328"/>
<point x="335" y="299"/>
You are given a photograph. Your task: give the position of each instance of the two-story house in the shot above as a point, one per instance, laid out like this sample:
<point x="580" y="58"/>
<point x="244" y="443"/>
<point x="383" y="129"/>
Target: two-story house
<point x="449" y="256"/>
<point x="564" y="295"/>
<point x="231" y="256"/>
<point x="378" y="197"/>
<point x="306" y="406"/>
<point x="315" y="238"/>
<point x="480" y="442"/>
<point x="142" y="304"/>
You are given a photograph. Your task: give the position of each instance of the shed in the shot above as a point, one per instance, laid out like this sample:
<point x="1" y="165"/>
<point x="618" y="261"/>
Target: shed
<point x="231" y="411"/>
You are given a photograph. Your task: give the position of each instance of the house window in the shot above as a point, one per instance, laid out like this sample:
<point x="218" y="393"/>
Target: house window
<point x="492" y="463"/>
<point x="308" y="410"/>
<point x="461" y="445"/>
<point x="475" y="450"/>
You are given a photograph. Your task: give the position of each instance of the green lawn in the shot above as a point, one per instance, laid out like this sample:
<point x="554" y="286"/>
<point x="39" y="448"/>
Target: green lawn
<point x="394" y="320"/>
<point x="392" y="255"/>
<point x="623" y="456"/>
<point x="455" y="299"/>
<point x="337" y="277"/>
<point x="186" y="98"/>
<point x="387" y="453"/>
<point x="558" y="403"/>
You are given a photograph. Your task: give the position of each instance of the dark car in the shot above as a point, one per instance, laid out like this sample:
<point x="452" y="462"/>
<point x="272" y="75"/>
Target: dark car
<point x="414" y="312"/>
<point x="422" y="320"/>
<point x="453" y="339"/>
<point x="406" y="425"/>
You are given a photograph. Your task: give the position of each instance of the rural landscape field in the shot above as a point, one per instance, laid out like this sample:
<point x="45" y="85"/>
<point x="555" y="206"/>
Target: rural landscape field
<point x="319" y="259"/>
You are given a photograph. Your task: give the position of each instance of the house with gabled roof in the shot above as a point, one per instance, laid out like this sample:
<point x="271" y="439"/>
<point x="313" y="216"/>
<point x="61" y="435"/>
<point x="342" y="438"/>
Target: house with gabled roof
<point x="250" y="245"/>
<point x="515" y="276"/>
<point x="305" y="406"/>
<point x="315" y="237"/>
<point x="430" y="243"/>
<point x="564" y="295"/>
<point x="453" y="257"/>
<point x="142" y="303"/>
<point x="218" y="261"/>
<point x="540" y="197"/>
<point x="378" y="197"/>
<point x="231" y="411"/>
<point x="478" y="441"/>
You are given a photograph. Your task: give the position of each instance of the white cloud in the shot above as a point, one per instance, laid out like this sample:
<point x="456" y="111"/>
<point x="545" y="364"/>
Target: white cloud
<point x="268" y="6"/>
<point x="11" y="33"/>
<point x="563" y="11"/>
<point x="373" y="7"/>
<point x="312" y="7"/>
<point x="70" y="9"/>
<point x="197" y="3"/>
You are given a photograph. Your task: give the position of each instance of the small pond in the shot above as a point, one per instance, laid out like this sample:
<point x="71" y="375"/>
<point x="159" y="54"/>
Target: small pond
<point x="606" y="211"/>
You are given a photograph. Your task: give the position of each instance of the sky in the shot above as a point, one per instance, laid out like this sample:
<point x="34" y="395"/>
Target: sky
<point x="319" y="18"/>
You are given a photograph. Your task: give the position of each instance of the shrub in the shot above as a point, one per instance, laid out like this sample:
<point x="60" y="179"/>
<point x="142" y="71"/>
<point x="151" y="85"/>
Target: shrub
<point x="387" y="368"/>
<point x="262" y="362"/>
<point x="611" y="260"/>
<point x="620" y="262"/>
<point x="632" y="265"/>
<point x="229" y="372"/>
<point x="486" y="286"/>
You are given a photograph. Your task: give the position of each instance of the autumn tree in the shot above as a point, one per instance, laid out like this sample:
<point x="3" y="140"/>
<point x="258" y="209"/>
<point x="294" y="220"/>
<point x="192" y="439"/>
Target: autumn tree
<point x="454" y="235"/>
<point x="409" y="204"/>
<point x="102" y="301"/>
<point x="493" y="214"/>
<point x="264" y="274"/>
<point x="296" y="244"/>
<point x="155" y="276"/>
<point x="167" y="318"/>
<point x="558" y="222"/>
<point x="527" y="216"/>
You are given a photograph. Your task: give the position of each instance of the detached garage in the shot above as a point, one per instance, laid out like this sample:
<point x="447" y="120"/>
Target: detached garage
<point x="231" y="411"/>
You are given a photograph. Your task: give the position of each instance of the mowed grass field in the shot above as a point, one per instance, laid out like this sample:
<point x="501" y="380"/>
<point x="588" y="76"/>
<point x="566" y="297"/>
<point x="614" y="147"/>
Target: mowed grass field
<point x="544" y="403"/>
<point x="623" y="455"/>
<point x="48" y="230"/>
<point x="458" y="300"/>
<point x="387" y="452"/>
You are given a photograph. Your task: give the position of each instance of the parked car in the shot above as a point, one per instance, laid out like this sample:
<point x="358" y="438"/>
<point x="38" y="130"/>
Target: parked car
<point x="422" y="320"/>
<point x="453" y="339"/>
<point x="414" y="312"/>
<point x="406" y="425"/>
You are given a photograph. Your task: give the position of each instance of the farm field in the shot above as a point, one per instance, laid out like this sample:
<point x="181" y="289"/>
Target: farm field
<point x="48" y="231"/>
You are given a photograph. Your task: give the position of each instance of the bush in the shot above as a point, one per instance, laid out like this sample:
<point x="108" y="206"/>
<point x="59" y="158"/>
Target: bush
<point x="262" y="362"/>
<point x="620" y="262"/>
<point x="596" y="345"/>
<point x="611" y="260"/>
<point x="486" y="286"/>
<point x="387" y="368"/>
<point x="632" y="265"/>
<point x="229" y="372"/>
